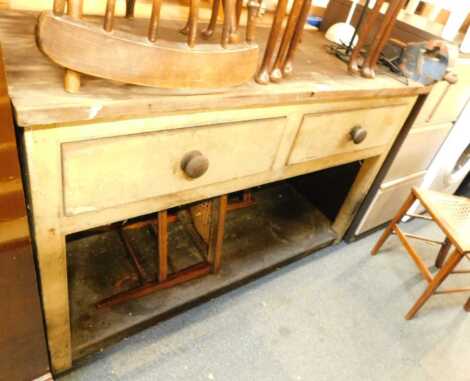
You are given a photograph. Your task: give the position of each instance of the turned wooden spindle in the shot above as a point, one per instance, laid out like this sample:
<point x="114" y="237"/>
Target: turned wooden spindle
<point x="209" y="31"/>
<point x="364" y="33"/>
<point x="130" y="8"/>
<point x="253" y="7"/>
<point x="193" y="22"/>
<point x="226" y="27"/>
<point x="263" y="74"/>
<point x="287" y="66"/>
<point x="370" y="64"/>
<point x="238" y="13"/>
<point x="109" y="15"/>
<point x="229" y="31"/>
<point x="59" y="7"/>
<point x="72" y="78"/>
<point x="276" y="73"/>
<point x="154" y="21"/>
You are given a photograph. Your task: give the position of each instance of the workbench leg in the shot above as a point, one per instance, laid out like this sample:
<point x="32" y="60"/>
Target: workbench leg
<point x="43" y="158"/>
<point x="364" y="179"/>
<point x="52" y="260"/>
<point x="217" y="229"/>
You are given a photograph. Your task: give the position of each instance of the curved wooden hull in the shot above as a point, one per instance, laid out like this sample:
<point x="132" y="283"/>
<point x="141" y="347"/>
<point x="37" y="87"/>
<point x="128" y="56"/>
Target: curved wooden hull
<point x="124" y="57"/>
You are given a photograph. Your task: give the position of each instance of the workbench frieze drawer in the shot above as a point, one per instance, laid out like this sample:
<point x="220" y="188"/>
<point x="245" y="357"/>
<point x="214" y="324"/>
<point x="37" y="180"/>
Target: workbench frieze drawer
<point x="327" y="134"/>
<point x="115" y="171"/>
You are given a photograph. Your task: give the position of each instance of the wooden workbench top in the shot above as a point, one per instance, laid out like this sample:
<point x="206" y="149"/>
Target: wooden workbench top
<point x="36" y="84"/>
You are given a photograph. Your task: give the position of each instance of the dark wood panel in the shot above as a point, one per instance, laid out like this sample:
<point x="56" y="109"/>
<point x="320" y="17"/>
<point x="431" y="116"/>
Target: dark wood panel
<point x="23" y="352"/>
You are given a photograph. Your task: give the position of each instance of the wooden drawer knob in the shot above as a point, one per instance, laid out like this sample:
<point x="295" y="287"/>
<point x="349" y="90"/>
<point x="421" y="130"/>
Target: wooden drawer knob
<point x="358" y="134"/>
<point x="194" y="164"/>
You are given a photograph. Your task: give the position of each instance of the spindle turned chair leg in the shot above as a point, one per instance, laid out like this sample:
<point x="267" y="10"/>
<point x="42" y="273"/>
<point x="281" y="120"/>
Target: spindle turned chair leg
<point x="209" y="31"/>
<point x="109" y="15"/>
<point x="130" y="8"/>
<point x="270" y="51"/>
<point x="276" y="73"/>
<point x="72" y="81"/>
<point x="190" y="29"/>
<point x="467" y="305"/>
<point x="287" y="66"/>
<point x="390" y="228"/>
<point x="446" y="269"/>
<point x="253" y="7"/>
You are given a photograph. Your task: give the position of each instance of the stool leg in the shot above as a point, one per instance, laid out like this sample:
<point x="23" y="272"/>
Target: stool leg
<point x="467" y="305"/>
<point x="388" y="230"/>
<point x="448" y="266"/>
<point x="441" y="257"/>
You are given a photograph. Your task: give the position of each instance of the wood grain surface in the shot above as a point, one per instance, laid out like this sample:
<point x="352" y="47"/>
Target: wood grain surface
<point x="36" y="84"/>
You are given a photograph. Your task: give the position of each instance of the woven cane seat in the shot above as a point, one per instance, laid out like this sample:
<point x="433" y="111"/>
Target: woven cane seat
<point x="451" y="213"/>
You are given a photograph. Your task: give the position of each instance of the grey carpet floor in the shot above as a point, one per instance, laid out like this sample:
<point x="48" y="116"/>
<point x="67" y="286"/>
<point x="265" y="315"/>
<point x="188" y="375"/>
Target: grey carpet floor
<point x="336" y="315"/>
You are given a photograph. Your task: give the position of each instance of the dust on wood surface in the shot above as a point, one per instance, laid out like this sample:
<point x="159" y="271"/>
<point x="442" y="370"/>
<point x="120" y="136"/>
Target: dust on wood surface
<point x="36" y="84"/>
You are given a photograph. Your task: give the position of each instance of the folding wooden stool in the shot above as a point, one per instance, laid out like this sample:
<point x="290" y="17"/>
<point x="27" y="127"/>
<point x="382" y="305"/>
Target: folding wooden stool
<point x="452" y="215"/>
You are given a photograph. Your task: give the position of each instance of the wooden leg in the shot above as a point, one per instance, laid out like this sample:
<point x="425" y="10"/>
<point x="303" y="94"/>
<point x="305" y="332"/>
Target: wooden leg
<point x="52" y="261"/>
<point x="253" y="7"/>
<point x="209" y="31"/>
<point x="357" y="193"/>
<point x="364" y="33"/>
<point x="287" y="65"/>
<point x="130" y="8"/>
<point x="162" y="246"/>
<point x="448" y="266"/>
<point x="72" y="78"/>
<point x="193" y="22"/>
<point x="270" y="51"/>
<point x="72" y="81"/>
<point x="368" y="70"/>
<point x="219" y="209"/>
<point x="43" y="153"/>
<point x="467" y="305"/>
<point x="276" y="73"/>
<point x="441" y="257"/>
<point x="389" y="229"/>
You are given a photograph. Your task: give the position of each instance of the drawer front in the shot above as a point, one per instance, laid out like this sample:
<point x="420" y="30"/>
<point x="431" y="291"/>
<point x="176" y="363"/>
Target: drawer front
<point x="108" y="172"/>
<point x="417" y="151"/>
<point x="327" y="134"/>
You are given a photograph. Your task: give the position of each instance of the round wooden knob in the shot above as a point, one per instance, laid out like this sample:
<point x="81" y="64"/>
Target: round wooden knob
<point x="358" y="134"/>
<point x="194" y="164"/>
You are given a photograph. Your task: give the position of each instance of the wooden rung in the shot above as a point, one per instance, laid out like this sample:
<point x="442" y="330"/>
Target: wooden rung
<point x="414" y="255"/>
<point x="452" y="290"/>
<point x="154" y="21"/>
<point x="423" y="217"/>
<point x="421" y="238"/>
<point x="109" y="15"/>
<point x="461" y="271"/>
<point x="196" y="271"/>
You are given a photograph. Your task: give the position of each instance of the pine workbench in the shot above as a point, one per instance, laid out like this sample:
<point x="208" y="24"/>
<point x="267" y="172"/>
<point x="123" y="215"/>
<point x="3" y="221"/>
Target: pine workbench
<point x="112" y="151"/>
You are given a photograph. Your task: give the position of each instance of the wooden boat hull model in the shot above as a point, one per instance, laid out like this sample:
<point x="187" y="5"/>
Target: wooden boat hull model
<point x="100" y="51"/>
